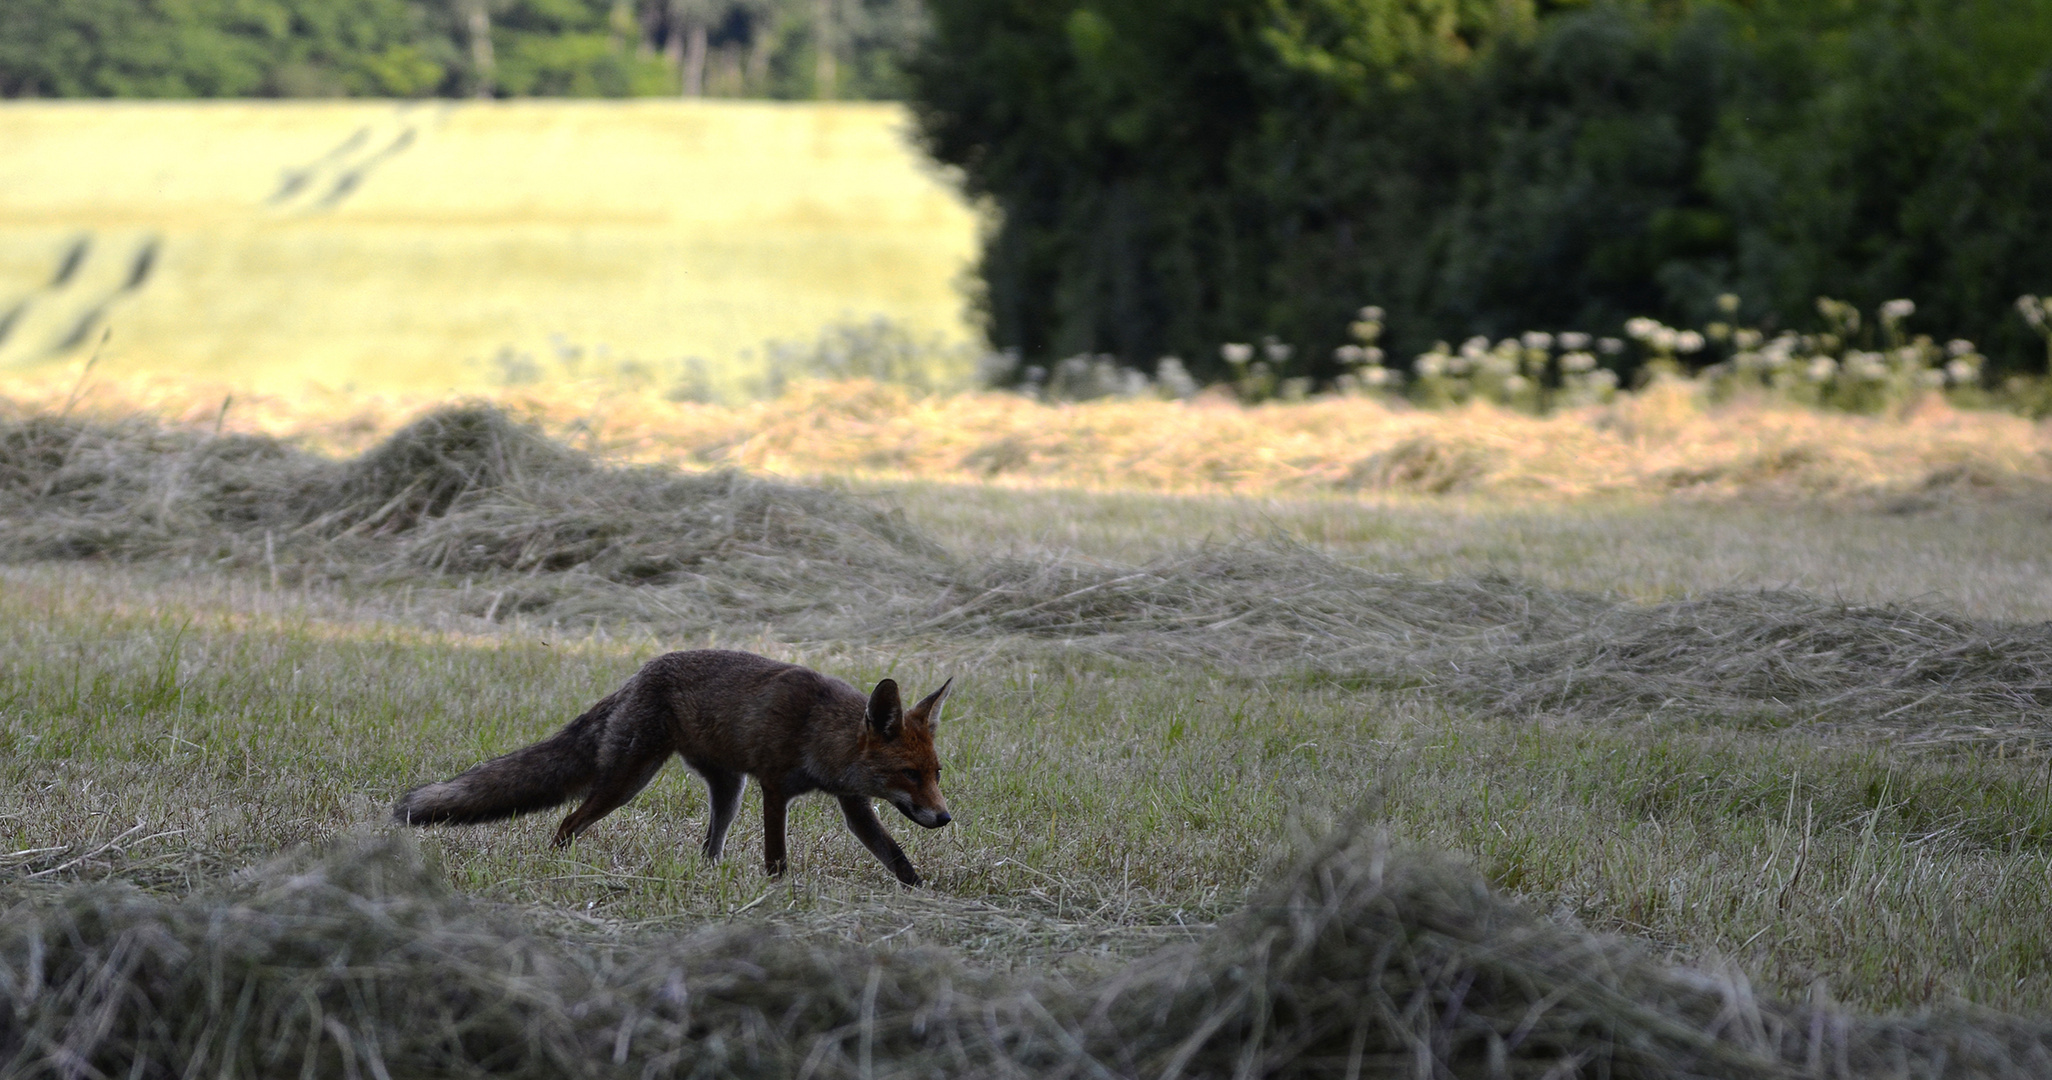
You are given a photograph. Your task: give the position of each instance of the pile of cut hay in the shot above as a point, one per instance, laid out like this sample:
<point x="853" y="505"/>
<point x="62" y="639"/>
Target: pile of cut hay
<point x="462" y="493"/>
<point x="1771" y="657"/>
<point x="1364" y="961"/>
<point x="467" y="497"/>
<point x="1781" y="657"/>
<point x="1665" y="441"/>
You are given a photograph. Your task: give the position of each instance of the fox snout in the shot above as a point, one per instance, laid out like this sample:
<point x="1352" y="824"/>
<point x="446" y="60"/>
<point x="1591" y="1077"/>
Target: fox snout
<point x="931" y="817"/>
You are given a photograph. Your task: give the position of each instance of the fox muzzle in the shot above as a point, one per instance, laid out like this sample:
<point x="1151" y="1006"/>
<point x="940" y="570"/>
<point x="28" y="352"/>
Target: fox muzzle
<point x="924" y="816"/>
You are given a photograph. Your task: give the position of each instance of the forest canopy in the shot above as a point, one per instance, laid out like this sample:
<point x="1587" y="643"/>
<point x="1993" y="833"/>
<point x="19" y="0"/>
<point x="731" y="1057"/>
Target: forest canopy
<point x="1174" y="174"/>
<point x="419" y="48"/>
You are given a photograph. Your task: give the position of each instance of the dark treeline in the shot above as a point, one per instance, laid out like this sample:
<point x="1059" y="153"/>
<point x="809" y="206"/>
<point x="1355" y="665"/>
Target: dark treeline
<point x="455" y="48"/>
<point x="1174" y="174"/>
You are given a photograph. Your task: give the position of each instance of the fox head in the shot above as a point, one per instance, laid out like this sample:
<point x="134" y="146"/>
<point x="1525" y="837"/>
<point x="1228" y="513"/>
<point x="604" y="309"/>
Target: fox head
<point x="897" y="749"/>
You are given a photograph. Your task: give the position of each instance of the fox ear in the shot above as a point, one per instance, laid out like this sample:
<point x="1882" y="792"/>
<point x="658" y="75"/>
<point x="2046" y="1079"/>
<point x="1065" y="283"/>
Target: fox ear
<point x="886" y="716"/>
<point x="927" y="712"/>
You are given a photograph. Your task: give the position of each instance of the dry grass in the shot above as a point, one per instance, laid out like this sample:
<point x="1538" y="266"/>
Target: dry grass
<point x="1362" y="960"/>
<point x="555" y="536"/>
<point x="558" y="537"/>
<point x="460" y="495"/>
<point x="1664" y="443"/>
<point x="243" y="647"/>
<point x="389" y="246"/>
<point x="1983" y="558"/>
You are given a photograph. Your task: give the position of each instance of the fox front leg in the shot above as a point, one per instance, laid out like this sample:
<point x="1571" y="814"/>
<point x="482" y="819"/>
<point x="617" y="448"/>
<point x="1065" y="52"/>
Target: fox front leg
<point x="773" y="801"/>
<point x="861" y="817"/>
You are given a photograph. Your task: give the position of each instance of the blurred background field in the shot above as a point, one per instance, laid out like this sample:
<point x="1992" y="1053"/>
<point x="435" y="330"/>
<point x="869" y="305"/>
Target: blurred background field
<point x="458" y="245"/>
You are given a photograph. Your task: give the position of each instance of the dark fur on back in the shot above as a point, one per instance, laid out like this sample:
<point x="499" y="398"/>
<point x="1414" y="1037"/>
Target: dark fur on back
<point x="548" y="773"/>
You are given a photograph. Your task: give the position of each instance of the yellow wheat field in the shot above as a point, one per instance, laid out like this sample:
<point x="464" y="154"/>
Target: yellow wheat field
<point x="1663" y="442"/>
<point x="404" y="247"/>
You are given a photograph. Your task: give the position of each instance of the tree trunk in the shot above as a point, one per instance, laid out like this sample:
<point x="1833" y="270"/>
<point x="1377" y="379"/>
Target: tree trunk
<point x="694" y="60"/>
<point x="482" y="62"/>
<point x="673" y="38"/>
<point x="824" y="71"/>
<point x="757" y="79"/>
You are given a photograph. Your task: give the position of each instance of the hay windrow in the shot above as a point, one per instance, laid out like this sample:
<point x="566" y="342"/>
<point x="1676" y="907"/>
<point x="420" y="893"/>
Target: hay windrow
<point x="1362" y="961"/>
<point x="461" y="493"/>
<point x="1788" y="657"/>
<point x="1769" y="657"/>
<point x="1665" y="442"/>
<point x="489" y="517"/>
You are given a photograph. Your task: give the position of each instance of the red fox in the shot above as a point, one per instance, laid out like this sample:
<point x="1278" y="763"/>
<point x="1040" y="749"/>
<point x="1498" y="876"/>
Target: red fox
<point x="729" y="715"/>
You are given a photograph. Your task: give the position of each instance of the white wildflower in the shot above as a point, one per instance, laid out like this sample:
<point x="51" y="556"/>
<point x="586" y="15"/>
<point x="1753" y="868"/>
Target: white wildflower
<point x="1866" y="366"/>
<point x="2032" y="309"/>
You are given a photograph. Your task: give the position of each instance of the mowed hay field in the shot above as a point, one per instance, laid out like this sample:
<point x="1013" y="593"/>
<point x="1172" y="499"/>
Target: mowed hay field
<point x="388" y="246"/>
<point x="1286" y="785"/>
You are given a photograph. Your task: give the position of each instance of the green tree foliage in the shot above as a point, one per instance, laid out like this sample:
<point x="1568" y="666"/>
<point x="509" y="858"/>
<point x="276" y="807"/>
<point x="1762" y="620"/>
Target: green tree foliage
<point x="817" y="49"/>
<point x="218" y="48"/>
<point x="1897" y="149"/>
<point x="1174" y="174"/>
<point x="412" y="48"/>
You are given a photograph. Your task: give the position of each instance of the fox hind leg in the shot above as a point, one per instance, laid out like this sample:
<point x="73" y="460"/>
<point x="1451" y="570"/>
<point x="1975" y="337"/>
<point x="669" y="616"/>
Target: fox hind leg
<point x="725" y="789"/>
<point x="608" y="793"/>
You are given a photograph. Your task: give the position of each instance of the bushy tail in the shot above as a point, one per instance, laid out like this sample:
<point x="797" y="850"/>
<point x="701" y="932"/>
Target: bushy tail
<point x="549" y="773"/>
